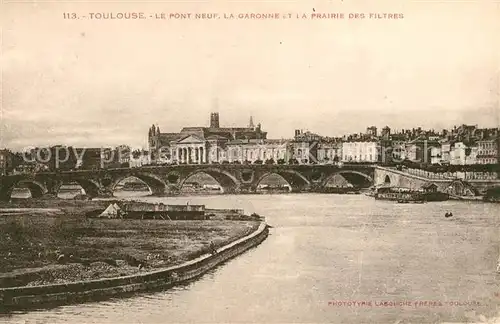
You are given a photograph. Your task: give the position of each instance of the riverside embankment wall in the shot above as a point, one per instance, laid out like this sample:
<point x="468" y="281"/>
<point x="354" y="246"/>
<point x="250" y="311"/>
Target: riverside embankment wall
<point x="26" y="297"/>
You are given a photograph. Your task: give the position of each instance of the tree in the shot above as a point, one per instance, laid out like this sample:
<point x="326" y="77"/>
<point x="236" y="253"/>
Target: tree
<point x="136" y="154"/>
<point x="17" y="160"/>
<point x="270" y="161"/>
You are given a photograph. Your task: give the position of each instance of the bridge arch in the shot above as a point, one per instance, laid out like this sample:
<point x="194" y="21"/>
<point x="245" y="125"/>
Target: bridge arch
<point x="155" y="184"/>
<point x="295" y="179"/>
<point x="461" y="188"/>
<point x="91" y="187"/>
<point x="226" y="180"/>
<point x="271" y="175"/>
<point x="122" y="181"/>
<point x="36" y="188"/>
<point x="336" y="180"/>
<point x="58" y="187"/>
<point x="356" y="178"/>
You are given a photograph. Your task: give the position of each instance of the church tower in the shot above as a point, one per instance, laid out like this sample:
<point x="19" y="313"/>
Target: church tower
<point x="214" y="120"/>
<point x="250" y="124"/>
<point x="214" y="116"/>
<point x="153" y="135"/>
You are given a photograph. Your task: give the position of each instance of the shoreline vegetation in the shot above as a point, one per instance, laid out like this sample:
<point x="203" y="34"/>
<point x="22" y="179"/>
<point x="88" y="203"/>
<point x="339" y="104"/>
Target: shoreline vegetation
<point x="47" y="241"/>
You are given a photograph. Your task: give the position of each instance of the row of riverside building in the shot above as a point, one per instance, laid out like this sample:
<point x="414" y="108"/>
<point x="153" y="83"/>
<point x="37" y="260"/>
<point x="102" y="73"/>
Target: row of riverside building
<point x="67" y="158"/>
<point x="463" y="145"/>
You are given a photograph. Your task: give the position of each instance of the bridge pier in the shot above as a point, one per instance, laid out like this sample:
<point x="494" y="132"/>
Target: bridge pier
<point x="52" y="187"/>
<point x="103" y="193"/>
<point x="299" y="190"/>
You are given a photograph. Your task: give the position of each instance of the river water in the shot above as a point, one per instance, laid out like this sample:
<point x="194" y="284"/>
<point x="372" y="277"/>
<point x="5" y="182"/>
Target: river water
<point x="325" y="256"/>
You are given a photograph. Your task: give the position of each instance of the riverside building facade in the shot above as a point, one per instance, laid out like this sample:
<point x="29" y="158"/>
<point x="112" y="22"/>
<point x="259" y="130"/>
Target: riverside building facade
<point x="213" y="144"/>
<point x="5" y="161"/>
<point x="361" y="151"/>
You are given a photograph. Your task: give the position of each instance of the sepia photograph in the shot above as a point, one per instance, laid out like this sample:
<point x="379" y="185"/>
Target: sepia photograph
<point x="249" y="161"/>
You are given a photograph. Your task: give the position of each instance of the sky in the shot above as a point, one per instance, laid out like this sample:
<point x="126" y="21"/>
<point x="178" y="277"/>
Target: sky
<point x="105" y="82"/>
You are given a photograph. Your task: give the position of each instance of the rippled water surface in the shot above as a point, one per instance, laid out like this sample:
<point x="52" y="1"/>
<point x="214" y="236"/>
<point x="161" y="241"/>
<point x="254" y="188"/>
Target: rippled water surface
<point x="326" y="248"/>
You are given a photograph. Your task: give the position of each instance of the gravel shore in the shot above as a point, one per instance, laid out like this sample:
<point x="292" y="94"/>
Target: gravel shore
<point x="38" y="248"/>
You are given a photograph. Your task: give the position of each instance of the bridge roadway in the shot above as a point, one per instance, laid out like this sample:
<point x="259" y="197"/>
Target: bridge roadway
<point x="233" y="178"/>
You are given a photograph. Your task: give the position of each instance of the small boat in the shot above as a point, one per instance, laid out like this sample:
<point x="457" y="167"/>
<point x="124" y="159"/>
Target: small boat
<point x="448" y="215"/>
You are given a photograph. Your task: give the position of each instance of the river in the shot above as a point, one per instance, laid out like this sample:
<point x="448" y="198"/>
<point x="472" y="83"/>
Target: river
<point x="323" y="252"/>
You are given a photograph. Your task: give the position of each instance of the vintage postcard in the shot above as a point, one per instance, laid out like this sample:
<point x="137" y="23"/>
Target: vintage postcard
<point x="224" y="161"/>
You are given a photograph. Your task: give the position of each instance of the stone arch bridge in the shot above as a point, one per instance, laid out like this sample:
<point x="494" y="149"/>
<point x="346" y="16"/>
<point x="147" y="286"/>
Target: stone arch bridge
<point x="233" y="178"/>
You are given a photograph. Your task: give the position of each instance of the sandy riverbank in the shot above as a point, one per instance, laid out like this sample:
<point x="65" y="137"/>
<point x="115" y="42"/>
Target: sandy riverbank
<point x="31" y="242"/>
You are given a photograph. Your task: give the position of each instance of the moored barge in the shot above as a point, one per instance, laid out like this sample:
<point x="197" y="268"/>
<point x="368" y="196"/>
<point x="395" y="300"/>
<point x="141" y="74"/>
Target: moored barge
<point x="401" y="195"/>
